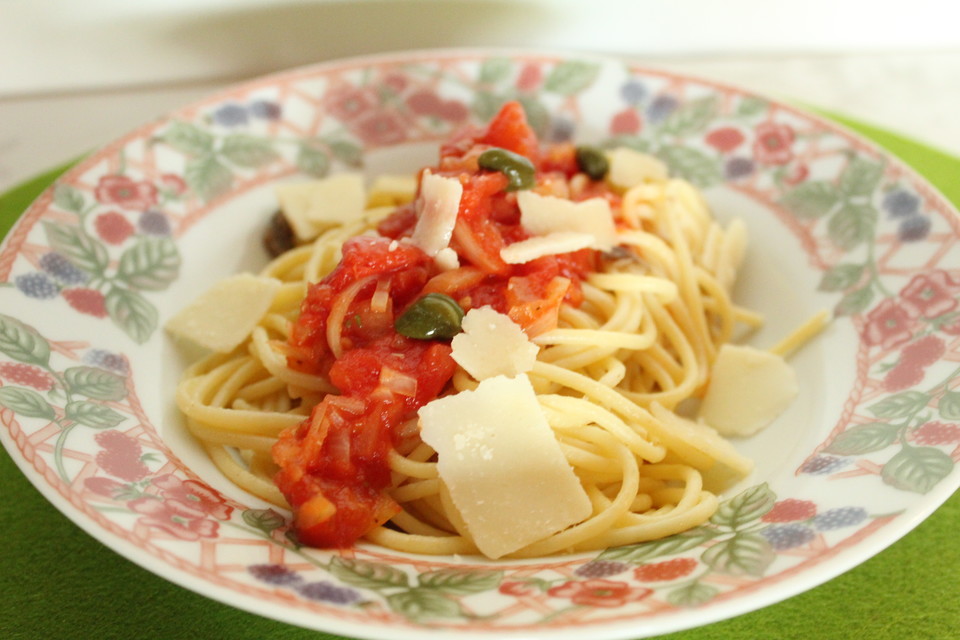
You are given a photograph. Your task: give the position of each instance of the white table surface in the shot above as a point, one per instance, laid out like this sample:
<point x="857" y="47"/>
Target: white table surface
<point x="916" y="93"/>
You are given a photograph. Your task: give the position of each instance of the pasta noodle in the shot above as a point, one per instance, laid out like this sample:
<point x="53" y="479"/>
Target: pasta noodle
<point x="612" y="379"/>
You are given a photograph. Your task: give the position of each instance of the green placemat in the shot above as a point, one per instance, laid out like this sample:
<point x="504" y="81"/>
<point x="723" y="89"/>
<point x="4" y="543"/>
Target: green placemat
<point x="58" y="582"/>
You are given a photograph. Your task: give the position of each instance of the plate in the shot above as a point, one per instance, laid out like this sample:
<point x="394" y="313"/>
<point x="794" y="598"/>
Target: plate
<point x="143" y="225"/>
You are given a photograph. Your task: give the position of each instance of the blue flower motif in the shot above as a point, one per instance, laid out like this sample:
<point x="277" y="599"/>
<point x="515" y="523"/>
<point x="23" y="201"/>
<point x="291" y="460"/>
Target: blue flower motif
<point x="788" y="536"/>
<point x="841" y="517"/>
<point x="914" y="228"/>
<point x="327" y="592"/>
<point x="661" y="107"/>
<point x="107" y="360"/>
<point x="37" y="285"/>
<point x="231" y="115"/>
<point x="899" y="203"/>
<point x="265" y="109"/>
<point x="154" y="223"/>
<point x="561" y="130"/>
<point x="64" y="271"/>
<point x="276" y="574"/>
<point x="633" y="91"/>
<point x="736" y="168"/>
<point x="823" y="465"/>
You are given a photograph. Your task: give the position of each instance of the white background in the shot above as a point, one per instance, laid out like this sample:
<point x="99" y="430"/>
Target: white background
<point x="74" y="75"/>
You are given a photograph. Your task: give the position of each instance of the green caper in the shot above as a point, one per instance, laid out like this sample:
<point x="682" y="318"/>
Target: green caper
<point x="520" y="172"/>
<point x="593" y="162"/>
<point x="434" y="316"/>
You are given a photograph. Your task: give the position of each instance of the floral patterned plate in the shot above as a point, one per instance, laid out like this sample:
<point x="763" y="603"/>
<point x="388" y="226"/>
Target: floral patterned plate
<point x="127" y="237"/>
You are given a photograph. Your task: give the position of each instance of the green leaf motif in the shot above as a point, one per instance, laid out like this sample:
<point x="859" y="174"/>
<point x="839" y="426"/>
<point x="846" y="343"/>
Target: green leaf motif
<point x="247" y="151"/>
<point x="861" y="177"/>
<point x="745" y="507"/>
<point x="265" y="520"/>
<point x="643" y="145"/>
<point x="571" y="77"/>
<point x="751" y="106"/>
<point x="949" y="405"/>
<point x="677" y="543"/>
<point x="132" y="312"/>
<point x="900" y="405"/>
<point x="95" y="383"/>
<point x="189" y="139"/>
<point x="68" y="198"/>
<point x="841" y="277"/>
<point x="77" y="246"/>
<point x="864" y="438"/>
<point x="349" y="153"/>
<point x="745" y="554"/>
<point x="854" y="302"/>
<point x="691" y="118"/>
<point x="418" y="604"/>
<point x="457" y="582"/>
<point x="811" y="200"/>
<point x="494" y="70"/>
<point x="485" y="105"/>
<point x="208" y="177"/>
<point x="93" y="415"/>
<point x="151" y="264"/>
<point x="692" y="595"/>
<point x="537" y="115"/>
<point x="312" y="159"/>
<point x="367" y="575"/>
<point x="852" y="225"/>
<point x="692" y="165"/>
<point x="22" y="342"/>
<point x="26" y="402"/>
<point x="917" y="469"/>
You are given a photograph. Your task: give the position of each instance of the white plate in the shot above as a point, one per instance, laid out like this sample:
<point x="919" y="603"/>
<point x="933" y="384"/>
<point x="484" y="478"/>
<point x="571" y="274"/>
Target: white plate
<point x="140" y="227"/>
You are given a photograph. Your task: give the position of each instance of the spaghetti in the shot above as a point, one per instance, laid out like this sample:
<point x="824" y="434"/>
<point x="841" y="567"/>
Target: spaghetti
<point x="625" y="336"/>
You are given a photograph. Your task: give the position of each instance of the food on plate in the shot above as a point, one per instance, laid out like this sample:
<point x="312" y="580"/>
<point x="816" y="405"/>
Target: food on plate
<point x="500" y="356"/>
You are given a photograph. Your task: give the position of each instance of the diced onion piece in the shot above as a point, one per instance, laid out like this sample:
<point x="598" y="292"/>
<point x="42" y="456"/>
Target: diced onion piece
<point x="312" y="206"/>
<point x="629" y="168"/>
<point x="748" y="389"/>
<point x="223" y="316"/>
<point x="492" y="344"/>
<point x="399" y="383"/>
<point x="542" y="215"/>
<point x="502" y="466"/>
<point x="437" y="206"/>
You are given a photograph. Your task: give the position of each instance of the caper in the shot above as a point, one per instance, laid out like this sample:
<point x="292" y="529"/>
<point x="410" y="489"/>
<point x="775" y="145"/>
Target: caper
<point x="520" y="172"/>
<point x="593" y="162"/>
<point x="434" y="316"/>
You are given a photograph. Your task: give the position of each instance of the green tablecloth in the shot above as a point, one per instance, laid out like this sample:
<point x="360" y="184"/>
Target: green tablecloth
<point x="57" y="582"/>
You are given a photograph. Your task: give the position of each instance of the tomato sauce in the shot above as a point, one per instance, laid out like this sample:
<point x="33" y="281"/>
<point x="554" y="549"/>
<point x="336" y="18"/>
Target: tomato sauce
<point x="334" y="468"/>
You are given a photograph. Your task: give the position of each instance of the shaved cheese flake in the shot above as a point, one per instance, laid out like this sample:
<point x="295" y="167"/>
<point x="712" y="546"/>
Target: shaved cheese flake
<point x="227" y="313"/>
<point x="628" y="168"/>
<point x="312" y="206"/>
<point x="438" y="206"/>
<point x="502" y="466"/>
<point x="492" y="344"/>
<point x="543" y="215"/>
<point x="446" y="259"/>
<point x="748" y="389"/>
<point x="548" y="245"/>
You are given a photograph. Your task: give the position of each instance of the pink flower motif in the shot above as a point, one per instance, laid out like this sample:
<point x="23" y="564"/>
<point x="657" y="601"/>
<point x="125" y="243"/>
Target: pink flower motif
<point x="107" y="487"/>
<point x="929" y="295"/>
<point x="173" y="183"/>
<point x="396" y="82"/>
<point x="194" y="495"/>
<point x="174" y="517"/>
<point x="774" y="143"/>
<point x="346" y="103"/>
<point x="599" y="592"/>
<point x="113" y="227"/>
<point x="725" y="139"/>
<point x="626" y="122"/>
<point x="126" y="193"/>
<point x="790" y="510"/>
<point x="424" y="102"/>
<point x="888" y="325"/>
<point x="530" y="77"/>
<point x="517" y="589"/>
<point x="120" y="456"/>
<point x="796" y="174"/>
<point x="453" y="111"/>
<point x="379" y="128"/>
